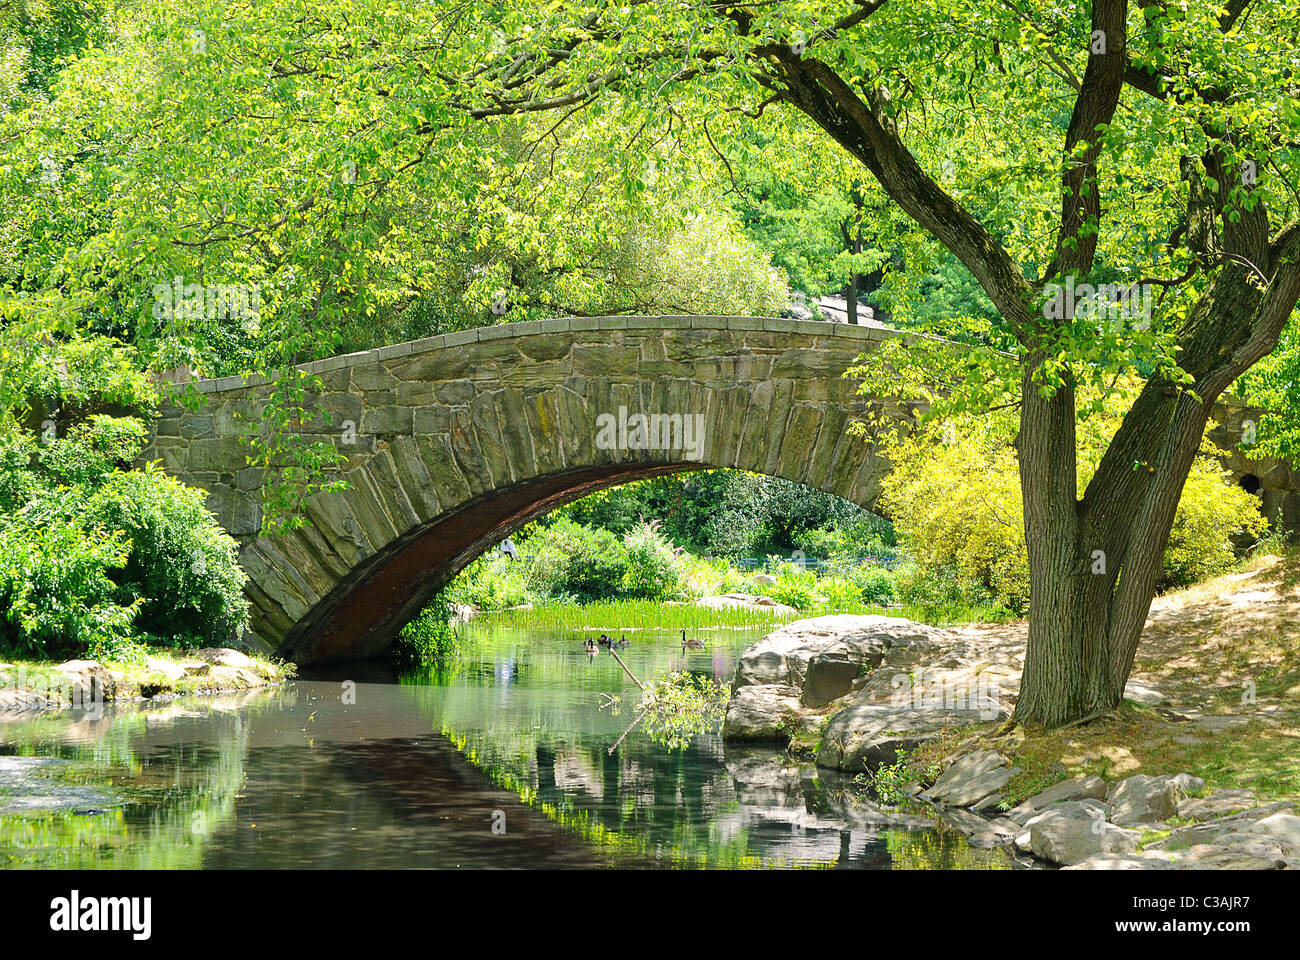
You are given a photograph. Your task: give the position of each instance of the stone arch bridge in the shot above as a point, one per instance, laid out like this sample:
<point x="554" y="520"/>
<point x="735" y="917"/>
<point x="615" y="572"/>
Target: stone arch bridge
<point x="455" y="441"/>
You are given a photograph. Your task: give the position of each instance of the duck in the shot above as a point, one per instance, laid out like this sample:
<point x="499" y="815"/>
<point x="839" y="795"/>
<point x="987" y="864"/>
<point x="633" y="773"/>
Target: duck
<point x="589" y="645"/>
<point x="690" y="643"/>
<point x="604" y="641"/>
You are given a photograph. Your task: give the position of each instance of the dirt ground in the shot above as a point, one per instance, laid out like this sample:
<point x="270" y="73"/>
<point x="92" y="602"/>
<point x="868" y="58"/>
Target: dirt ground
<point x="1215" y="692"/>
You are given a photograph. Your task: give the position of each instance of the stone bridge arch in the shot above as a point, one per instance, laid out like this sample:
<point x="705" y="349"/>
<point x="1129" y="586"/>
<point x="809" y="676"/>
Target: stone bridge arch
<point x="455" y="441"/>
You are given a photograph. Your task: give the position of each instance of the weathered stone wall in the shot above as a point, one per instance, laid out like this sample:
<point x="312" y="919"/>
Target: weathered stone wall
<point x="455" y="441"/>
<point x="1278" y="483"/>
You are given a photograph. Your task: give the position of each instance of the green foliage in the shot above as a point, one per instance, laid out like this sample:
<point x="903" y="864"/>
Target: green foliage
<point x="56" y="591"/>
<point x="429" y="638"/>
<point x="955" y="499"/>
<point x="1211" y="512"/>
<point x="795" y="586"/>
<point x="571" y="560"/>
<point x="876" y="585"/>
<point x="100" y="558"/>
<point x="492" y="582"/>
<point x="681" y="706"/>
<point x="183" y="569"/>
<point x="654" y="566"/>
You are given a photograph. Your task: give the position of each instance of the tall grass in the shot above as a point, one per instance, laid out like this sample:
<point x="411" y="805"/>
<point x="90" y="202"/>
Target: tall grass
<point x="610" y="615"/>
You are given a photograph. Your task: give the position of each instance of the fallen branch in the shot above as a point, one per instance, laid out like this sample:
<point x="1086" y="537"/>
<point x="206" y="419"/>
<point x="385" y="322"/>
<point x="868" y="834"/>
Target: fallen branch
<point x="627" y="671"/>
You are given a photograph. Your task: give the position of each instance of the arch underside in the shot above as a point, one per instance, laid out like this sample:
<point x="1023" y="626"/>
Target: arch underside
<point x="360" y="617"/>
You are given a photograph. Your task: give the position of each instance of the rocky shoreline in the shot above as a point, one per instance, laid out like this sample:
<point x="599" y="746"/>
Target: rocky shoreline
<point x="88" y="684"/>
<point x="855" y="690"/>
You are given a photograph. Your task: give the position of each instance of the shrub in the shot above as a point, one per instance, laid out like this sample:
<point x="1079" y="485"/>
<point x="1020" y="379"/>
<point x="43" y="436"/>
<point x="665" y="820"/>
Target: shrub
<point x="794" y="586"/>
<point x="568" y="559"/>
<point x="957" y="506"/>
<point x="1211" y="512"/>
<point x="182" y="566"/>
<point x="58" y="598"/>
<point x="429" y="637"/>
<point x="875" y="585"/>
<point x="654" y="568"/>
<point x="492" y="582"/>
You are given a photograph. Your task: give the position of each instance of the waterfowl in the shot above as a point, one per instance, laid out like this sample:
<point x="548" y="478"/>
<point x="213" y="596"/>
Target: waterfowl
<point x="691" y="643"/>
<point x="589" y="645"/>
<point x="604" y="641"/>
<point x="623" y="640"/>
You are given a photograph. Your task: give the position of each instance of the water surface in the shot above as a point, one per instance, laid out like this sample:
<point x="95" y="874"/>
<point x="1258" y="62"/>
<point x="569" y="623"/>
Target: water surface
<point x="503" y="759"/>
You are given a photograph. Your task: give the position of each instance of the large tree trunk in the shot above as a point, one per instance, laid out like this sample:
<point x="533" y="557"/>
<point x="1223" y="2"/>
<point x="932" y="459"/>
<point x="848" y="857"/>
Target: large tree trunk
<point x="1095" y="561"/>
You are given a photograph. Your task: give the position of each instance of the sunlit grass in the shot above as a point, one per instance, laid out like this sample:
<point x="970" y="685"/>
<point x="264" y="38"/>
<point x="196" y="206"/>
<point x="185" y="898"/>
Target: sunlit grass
<point x="652" y="615"/>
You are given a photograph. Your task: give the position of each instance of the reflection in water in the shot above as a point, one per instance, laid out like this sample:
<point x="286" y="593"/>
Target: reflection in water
<point x="501" y="759"/>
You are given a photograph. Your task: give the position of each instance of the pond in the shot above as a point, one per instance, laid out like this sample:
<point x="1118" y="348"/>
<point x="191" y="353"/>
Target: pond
<point x="502" y="759"/>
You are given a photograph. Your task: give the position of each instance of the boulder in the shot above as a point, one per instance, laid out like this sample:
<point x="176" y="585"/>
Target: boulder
<point x="783" y="655"/>
<point x="864" y="735"/>
<point x="763" y="712"/>
<point x="1218" y="804"/>
<point x="1282" y="829"/>
<point x="1076" y="788"/>
<point x="1146" y="799"/>
<point x="979" y="831"/>
<point x="829" y="677"/>
<point x="1206" y="832"/>
<point x="1072" y="831"/>
<point x="90" y="681"/>
<point x="972" y="779"/>
<point x="171" y="670"/>
<point x="234" y="660"/>
<point x="746" y="601"/>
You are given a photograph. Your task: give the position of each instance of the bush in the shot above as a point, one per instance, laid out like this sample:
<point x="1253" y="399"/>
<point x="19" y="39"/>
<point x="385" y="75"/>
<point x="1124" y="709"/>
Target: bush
<point x="568" y="559"/>
<point x="56" y="592"/>
<point x="182" y="566"/>
<point x="957" y="507"/>
<point x="492" y="582"/>
<point x="429" y="638"/>
<point x="654" y="568"/>
<point x="795" y="586"/>
<point x="875" y="585"/>
<point x="1211" y="512"/>
<point x="98" y="558"/>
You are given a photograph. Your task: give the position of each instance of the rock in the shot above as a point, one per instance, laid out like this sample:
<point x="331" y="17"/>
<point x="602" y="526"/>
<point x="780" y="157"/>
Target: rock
<point x="1141" y="693"/>
<point x="169" y="669"/>
<point x="764" y="579"/>
<point x="1076" y="788"/>
<point x="762" y="712"/>
<point x="829" y="677"/>
<point x="782" y="656"/>
<point x="1124" y="861"/>
<point x="236" y="661"/>
<point x="1205" y="832"/>
<point x="864" y="735"/>
<point x="1282" y="828"/>
<point x="1238" y="856"/>
<point x="970" y="779"/>
<point x="1146" y="799"/>
<point x="89" y="679"/>
<point x="1218" y="804"/>
<point x="202" y="668"/>
<point x="746" y="601"/>
<point x="980" y="832"/>
<point x="1072" y="831"/>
